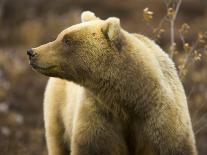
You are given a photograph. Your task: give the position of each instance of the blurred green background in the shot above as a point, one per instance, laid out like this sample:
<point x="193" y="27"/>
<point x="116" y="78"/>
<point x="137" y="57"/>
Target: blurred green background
<point x="29" y="23"/>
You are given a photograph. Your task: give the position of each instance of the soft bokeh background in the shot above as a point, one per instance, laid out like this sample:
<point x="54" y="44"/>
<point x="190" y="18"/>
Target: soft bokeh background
<point x="29" y="23"/>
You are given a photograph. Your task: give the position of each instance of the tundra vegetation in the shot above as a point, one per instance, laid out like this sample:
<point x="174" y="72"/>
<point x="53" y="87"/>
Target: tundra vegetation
<point x="178" y="26"/>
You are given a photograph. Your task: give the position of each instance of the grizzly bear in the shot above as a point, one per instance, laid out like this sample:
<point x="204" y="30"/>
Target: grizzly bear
<point x="111" y="92"/>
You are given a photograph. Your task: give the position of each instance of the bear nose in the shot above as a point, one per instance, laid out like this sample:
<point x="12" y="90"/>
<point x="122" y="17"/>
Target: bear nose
<point x="30" y="53"/>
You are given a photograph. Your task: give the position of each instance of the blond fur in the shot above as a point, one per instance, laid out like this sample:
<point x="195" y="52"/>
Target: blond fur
<point x="126" y="98"/>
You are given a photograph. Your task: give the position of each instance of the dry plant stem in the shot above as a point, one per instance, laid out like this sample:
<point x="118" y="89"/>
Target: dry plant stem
<point x="199" y="122"/>
<point x="202" y="122"/>
<point x="172" y="38"/>
<point x="200" y="129"/>
<point x="2" y="3"/>
<point x="188" y="56"/>
<point x="166" y="3"/>
<point x="172" y="29"/>
<point x="149" y="25"/>
<point x="159" y="27"/>
<point x="190" y="93"/>
<point x="182" y="38"/>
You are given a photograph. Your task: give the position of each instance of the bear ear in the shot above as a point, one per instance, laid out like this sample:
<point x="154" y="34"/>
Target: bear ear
<point x="87" y="16"/>
<point x="112" y="31"/>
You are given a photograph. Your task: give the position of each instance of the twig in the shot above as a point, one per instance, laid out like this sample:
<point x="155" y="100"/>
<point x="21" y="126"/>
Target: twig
<point x="200" y="129"/>
<point x="172" y="39"/>
<point x="190" y="93"/>
<point x="159" y="27"/>
<point x="166" y="3"/>
<point x="188" y="56"/>
<point x="182" y="38"/>
<point x="200" y="123"/>
<point x="172" y="28"/>
<point x="2" y="3"/>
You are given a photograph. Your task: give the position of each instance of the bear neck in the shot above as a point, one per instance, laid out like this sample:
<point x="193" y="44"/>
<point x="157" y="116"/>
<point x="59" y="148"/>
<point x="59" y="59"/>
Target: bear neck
<point x="131" y="89"/>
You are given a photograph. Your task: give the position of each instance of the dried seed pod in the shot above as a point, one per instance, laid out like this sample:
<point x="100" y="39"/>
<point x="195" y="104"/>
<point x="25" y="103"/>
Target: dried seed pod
<point x="170" y="13"/>
<point x="187" y="47"/>
<point x="147" y="14"/>
<point x="184" y="28"/>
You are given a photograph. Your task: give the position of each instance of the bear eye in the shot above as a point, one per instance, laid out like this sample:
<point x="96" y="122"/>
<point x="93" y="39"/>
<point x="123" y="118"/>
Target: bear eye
<point x="67" y="42"/>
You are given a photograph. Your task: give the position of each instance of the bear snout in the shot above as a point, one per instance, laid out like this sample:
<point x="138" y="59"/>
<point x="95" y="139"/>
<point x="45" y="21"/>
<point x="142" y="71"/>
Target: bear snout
<point x="31" y="53"/>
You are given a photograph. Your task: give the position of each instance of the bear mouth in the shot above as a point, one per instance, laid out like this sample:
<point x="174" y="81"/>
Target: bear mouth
<point x="42" y="68"/>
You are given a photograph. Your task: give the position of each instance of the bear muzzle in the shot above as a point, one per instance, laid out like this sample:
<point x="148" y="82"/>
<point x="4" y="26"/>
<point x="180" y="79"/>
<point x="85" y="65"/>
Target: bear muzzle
<point x="32" y="57"/>
<point x="31" y="54"/>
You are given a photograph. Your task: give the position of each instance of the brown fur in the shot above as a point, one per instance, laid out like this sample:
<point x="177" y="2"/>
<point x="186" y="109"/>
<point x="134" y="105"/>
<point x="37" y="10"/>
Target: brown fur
<point x="127" y="98"/>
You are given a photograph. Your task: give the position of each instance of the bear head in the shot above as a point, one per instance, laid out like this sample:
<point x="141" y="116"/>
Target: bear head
<point x="87" y="51"/>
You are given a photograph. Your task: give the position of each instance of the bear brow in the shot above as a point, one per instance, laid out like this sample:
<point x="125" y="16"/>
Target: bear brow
<point x="66" y="36"/>
<point x="69" y="36"/>
<point x="62" y="36"/>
